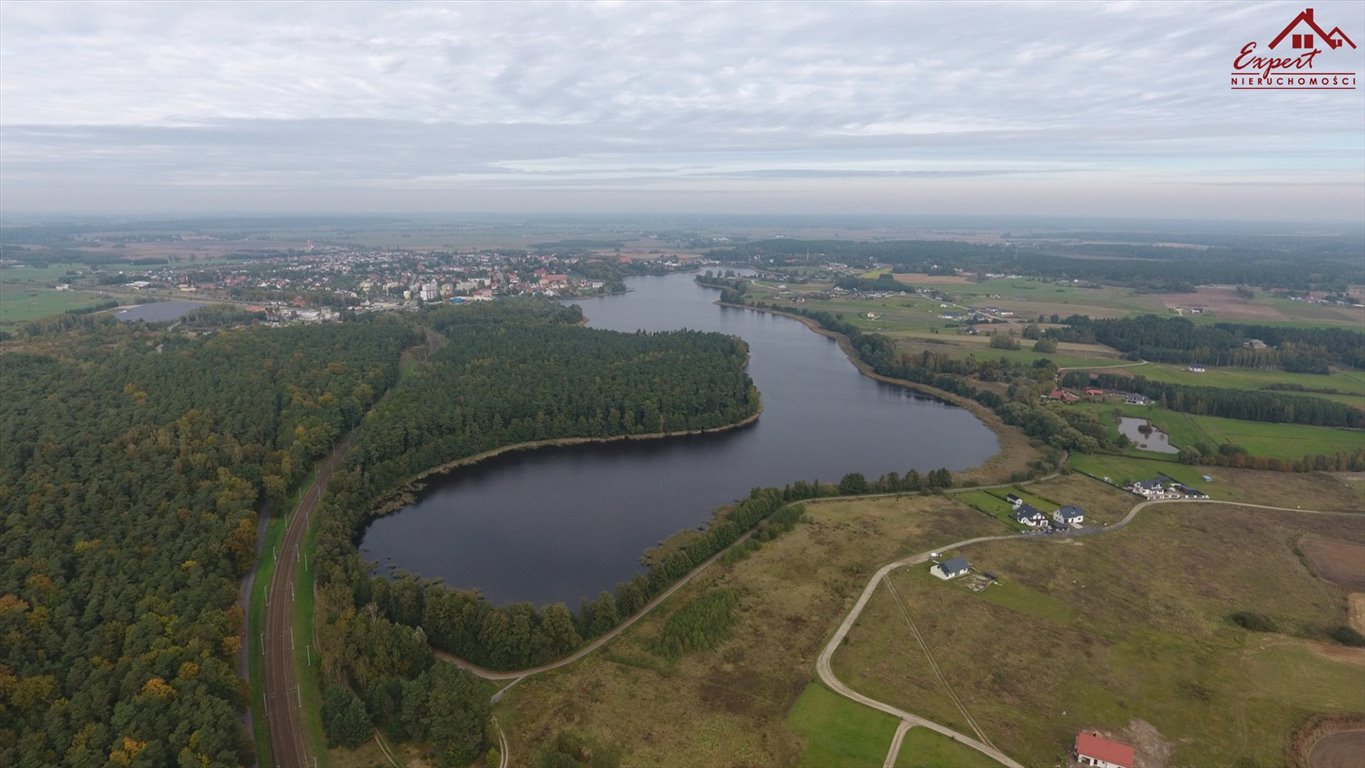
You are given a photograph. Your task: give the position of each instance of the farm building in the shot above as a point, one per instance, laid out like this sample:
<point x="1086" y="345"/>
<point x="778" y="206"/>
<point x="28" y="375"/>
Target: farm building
<point x="951" y="569"/>
<point x="1029" y="515"/>
<point x="1014" y="501"/>
<point x="1096" y="751"/>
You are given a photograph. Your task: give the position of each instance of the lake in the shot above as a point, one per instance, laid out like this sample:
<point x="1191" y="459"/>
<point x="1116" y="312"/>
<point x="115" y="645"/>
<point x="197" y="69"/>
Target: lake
<point x="158" y="311"/>
<point x="560" y="524"/>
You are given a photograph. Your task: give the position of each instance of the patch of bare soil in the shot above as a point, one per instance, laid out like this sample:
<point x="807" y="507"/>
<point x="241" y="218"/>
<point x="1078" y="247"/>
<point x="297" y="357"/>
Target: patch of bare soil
<point x="1328" y="741"/>
<point x="1223" y="301"/>
<point x="1340" y="562"/>
<point x="1152" y="751"/>
<point x="1340" y="750"/>
<point x="1355" y="611"/>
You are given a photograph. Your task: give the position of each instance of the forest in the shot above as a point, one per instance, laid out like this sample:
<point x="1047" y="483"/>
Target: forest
<point x="133" y="470"/>
<point x="505" y="373"/>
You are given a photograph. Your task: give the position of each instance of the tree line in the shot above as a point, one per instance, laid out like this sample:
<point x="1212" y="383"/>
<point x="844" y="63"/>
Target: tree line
<point x="1179" y="340"/>
<point x="1244" y="404"/>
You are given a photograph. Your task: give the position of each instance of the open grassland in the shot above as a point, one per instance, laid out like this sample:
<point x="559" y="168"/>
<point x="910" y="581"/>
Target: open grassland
<point x="923" y="748"/>
<point x="1030" y="297"/>
<point x="1284" y="441"/>
<point x="1259" y="438"/>
<point x="22" y="304"/>
<point x="1222" y="304"/>
<point x="730" y="706"/>
<point x="839" y="733"/>
<point x="1129" y="626"/>
<point x="1348" y="385"/>
<point x="959" y="346"/>
<point x="1323" y="490"/>
<point x="1103" y="504"/>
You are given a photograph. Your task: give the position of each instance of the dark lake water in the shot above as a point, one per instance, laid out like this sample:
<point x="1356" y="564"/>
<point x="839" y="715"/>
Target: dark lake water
<point x="158" y="311"/>
<point x="560" y="524"/>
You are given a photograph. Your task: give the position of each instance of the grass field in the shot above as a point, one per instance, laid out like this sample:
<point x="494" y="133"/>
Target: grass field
<point x="839" y="733"/>
<point x="731" y="706"/>
<point x="1131" y="626"/>
<point x="1259" y="438"/>
<point x="1286" y="489"/>
<point x="20" y="305"/>
<point x="923" y="748"/>
<point x="1349" y="384"/>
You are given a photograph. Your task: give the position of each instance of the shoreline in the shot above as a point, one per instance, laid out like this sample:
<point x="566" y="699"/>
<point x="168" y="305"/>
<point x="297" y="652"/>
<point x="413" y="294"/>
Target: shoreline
<point x="402" y="497"/>
<point x="1003" y="432"/>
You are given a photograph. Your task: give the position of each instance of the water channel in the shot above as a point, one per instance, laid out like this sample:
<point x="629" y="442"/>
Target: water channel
<point x="560" y="524"/>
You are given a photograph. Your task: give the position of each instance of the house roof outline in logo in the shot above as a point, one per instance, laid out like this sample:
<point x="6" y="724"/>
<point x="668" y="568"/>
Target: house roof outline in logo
<point x="1334" y="39"/>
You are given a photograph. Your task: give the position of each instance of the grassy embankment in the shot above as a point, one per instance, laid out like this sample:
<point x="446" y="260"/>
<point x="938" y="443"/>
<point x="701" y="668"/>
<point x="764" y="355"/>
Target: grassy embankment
<point x="1130" y="626"/>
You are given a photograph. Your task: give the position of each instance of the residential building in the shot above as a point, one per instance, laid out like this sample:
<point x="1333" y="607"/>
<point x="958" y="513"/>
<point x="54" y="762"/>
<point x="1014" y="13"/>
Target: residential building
<point x="951" y="569"/>
<point x="1093" y="750"/>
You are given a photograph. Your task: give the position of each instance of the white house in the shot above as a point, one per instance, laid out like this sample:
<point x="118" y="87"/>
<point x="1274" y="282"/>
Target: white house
<point x="1103" y="753"/>
<point x="950" y="569"/>
<point x="1069" y="515"/>
<point x="1029" y="515"/>
<point x="1014" y="501"/>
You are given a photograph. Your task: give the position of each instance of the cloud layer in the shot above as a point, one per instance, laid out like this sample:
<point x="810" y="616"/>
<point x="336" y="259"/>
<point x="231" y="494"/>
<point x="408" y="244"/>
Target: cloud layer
<point x="1114" y="109"/>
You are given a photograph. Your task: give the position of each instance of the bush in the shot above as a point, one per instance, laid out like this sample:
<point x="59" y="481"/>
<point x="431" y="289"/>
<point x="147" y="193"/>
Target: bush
<point x="1347" y="636"/>
<point x="1255" y="622"/>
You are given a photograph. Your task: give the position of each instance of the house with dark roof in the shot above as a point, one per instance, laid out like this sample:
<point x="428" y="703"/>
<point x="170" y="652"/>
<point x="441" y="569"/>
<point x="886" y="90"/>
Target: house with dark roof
<point x="1152" y="489"/>
<point x="1091" y="749"/>
<point x="1301" y="33"/>
<point x="950" y="569"/>
<point x="1069" y="515"/>
<point x="1029" y="515"/>
<point x="1014" y="500"/>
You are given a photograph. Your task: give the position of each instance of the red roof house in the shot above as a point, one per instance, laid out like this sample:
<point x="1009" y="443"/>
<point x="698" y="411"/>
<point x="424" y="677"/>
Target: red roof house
<point x="1304" y="39"/>
<point x="1063" y="395"/>
<point x="1093" y="750"/>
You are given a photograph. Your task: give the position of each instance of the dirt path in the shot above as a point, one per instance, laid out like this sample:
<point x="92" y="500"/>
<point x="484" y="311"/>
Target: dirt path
<point x="938" y="673"/>
<point x="283" y="699"/>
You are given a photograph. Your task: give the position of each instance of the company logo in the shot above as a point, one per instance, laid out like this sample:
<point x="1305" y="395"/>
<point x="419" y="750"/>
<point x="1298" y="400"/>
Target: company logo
<point x="1295" y="60"/>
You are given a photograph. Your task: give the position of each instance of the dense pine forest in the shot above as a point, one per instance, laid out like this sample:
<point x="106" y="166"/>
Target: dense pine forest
<point x="133" y="465"/>
<point x="502" y="374"/>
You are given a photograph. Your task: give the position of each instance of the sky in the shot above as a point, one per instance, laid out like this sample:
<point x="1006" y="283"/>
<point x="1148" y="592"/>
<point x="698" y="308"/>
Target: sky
<point x="1118" y="109"/>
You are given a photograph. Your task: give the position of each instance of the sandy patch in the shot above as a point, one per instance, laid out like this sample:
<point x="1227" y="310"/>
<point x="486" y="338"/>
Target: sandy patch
<point x="1339" y="750"/>
<point x="1355" y="611"/>
<point x="1339" y="562"/>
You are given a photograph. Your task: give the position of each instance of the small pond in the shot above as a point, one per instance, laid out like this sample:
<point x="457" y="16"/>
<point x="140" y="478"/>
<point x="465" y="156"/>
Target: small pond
<point x="1154" y="440"/>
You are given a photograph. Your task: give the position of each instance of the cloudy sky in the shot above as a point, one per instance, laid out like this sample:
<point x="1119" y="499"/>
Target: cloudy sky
<point x="1117" y="109"/>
